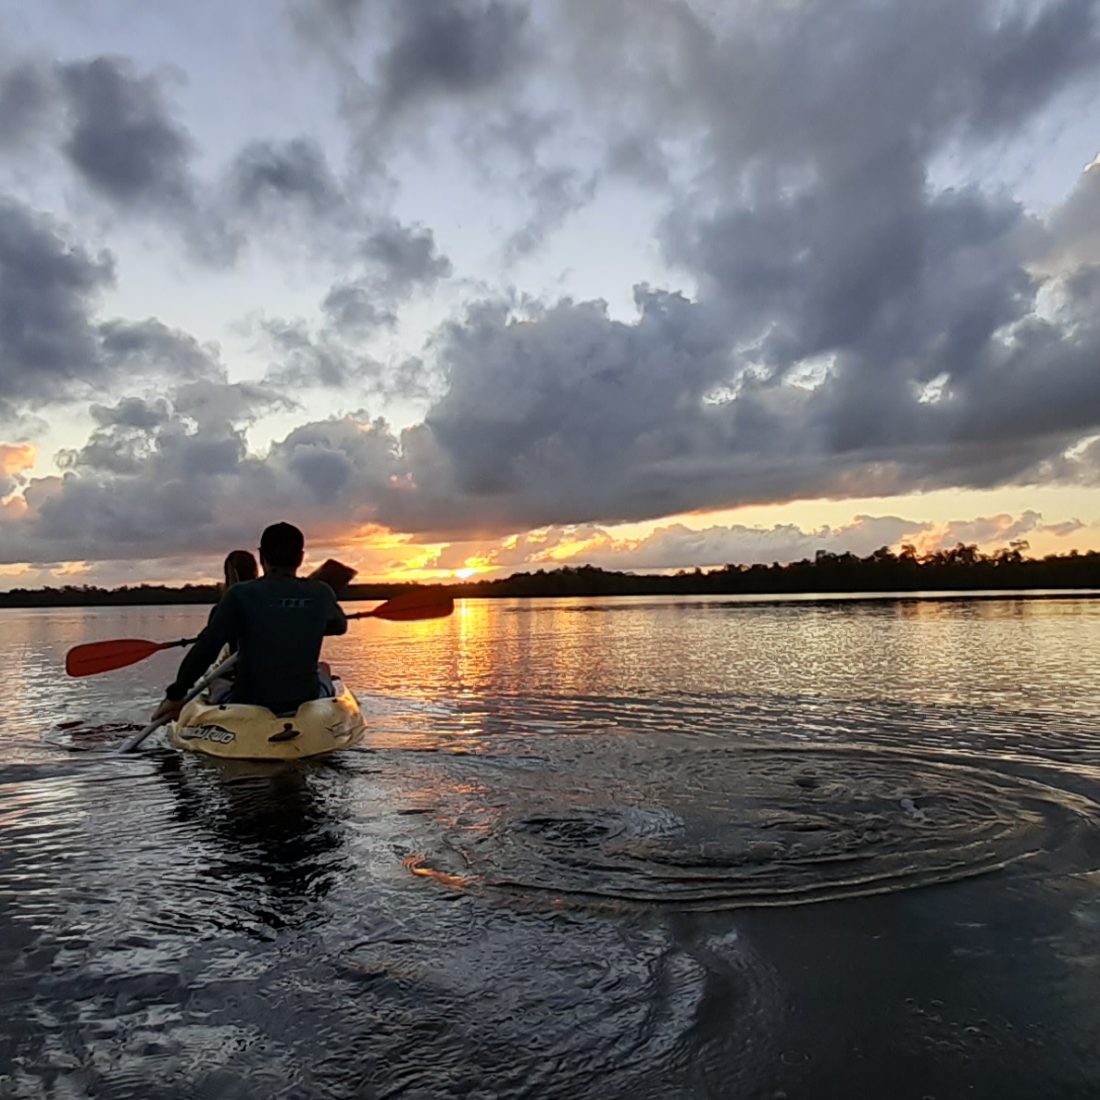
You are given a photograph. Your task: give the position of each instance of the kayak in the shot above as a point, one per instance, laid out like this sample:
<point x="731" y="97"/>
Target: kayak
<point x="239" y="731"/>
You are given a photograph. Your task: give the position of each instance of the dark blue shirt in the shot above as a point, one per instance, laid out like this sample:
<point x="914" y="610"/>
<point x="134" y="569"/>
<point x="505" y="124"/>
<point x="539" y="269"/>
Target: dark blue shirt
<point x="277" y="624"/>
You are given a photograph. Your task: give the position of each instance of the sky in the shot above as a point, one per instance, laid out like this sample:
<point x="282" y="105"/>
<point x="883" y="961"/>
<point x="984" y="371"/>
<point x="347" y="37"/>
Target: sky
<point x="477" y="286"/>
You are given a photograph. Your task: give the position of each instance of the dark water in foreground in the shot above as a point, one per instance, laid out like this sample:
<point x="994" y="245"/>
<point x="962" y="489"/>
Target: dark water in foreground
<point x="637" y="848"/>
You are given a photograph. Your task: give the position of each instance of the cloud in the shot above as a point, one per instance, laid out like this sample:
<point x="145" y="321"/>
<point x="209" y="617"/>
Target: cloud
<point x="556" y="193"/>
<point x="822" y="250"/>
<point x="398" y="261"/>
<point x="49" y="346"/>
<point x="285" y="196"/>
<point x="1065" y="529"/>
<point x="353" y="308"/>
<point x="25" y="103"/>
<point x="1074" y="225"/>
<point x="132" y="412"/>
<point x="847" y="324"/>
<point x="143" y="349"/>
<point x="156" y="478"/>
<point x="450" y="48"/>
<point x="466" y="64"/>
<point x="566" y="416"/>
<point x="395" y="263"/>
<point x="678" y="546"/>
<point x="16" y="457"/>
<point x="54" y="349"/>
<point x="404" y="257"/>
<point x="114" y="128"/>
<point x="122" y="140"/>
<point x="15" y="460"/>
<point x="303" y="358"/>
<point x="294" y="171"/>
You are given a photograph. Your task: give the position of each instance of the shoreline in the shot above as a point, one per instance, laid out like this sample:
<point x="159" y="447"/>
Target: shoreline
<point x="700" y="599"/>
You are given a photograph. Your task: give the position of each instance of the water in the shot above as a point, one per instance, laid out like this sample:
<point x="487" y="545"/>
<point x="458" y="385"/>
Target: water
<point x="630" y="848"/>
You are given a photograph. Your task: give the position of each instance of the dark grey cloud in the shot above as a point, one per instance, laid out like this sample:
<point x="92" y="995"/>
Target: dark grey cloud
<point x="327" y="25"/>
<point x="403" y="258"/>
<point x="278" y="173"/>
<point x="1035" y="51"/>
<point x="141" y="349"/>
<point x="570" y="416"/>
<point x="123" y="140"/>
<point x="49" y="347"/>
<point x="114" y="127"/>
<point x="329" y="356"/>
<point x="26" y="98"/>
<point x="53" y="347"/>
<point x="132" y="412"/>
<point x="157" y="472"/>
<point x="355" y="309"/>
<point x="451" y="48"/>
<point x="565" y="413"/>
<point x="188" y="485"/>
<point x="419" y="55"/>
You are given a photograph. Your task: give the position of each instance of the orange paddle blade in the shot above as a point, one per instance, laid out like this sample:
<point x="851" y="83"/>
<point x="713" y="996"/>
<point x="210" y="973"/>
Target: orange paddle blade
<point x="410" y="606"/>
<point x="93" y="657"/>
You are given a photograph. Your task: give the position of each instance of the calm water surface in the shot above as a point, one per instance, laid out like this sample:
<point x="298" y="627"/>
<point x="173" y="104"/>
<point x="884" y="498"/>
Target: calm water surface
<point x="620" y="848"/>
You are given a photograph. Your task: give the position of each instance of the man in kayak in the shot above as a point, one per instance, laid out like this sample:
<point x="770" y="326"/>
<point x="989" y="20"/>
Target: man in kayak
<point x="277" y="624"/>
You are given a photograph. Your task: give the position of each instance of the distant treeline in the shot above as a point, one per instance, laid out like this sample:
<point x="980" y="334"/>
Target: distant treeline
<point x="960" y="569"/>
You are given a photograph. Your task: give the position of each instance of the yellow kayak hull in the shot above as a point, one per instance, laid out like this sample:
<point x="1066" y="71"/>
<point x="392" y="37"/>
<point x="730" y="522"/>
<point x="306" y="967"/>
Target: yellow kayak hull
<point x="236" y="731"/>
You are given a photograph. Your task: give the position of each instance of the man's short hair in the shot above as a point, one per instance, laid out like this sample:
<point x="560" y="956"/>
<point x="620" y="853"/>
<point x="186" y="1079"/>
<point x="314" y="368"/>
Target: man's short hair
<point x="283" y="546"/>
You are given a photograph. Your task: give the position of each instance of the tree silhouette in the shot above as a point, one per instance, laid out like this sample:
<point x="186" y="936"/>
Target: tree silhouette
<point x="960" y="568"/>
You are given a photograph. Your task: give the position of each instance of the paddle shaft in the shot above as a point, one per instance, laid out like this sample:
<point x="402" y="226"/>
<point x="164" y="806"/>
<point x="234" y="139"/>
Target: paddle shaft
<point x="201" y="686"/>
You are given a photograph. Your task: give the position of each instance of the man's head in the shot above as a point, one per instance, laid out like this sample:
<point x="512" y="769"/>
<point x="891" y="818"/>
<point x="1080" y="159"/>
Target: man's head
<point x="282" y="547"/>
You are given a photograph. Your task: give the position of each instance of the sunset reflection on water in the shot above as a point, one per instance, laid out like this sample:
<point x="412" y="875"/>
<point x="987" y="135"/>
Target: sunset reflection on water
<point x="602" y="833"/>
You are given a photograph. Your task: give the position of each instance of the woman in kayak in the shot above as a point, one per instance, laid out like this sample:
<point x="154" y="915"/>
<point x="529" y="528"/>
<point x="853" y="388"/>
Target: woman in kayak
<point x="240" y="565"/>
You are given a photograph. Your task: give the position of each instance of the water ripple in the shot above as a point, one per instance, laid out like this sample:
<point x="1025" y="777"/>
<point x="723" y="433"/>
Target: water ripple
<point x="760" y="826"/>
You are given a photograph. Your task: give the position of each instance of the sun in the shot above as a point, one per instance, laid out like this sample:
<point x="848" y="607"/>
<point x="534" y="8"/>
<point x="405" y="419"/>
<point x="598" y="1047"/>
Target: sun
<point x="464" y="574"/>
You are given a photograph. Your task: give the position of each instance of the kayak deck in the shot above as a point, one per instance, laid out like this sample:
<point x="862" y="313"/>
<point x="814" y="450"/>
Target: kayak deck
<point x="239" y="731"/>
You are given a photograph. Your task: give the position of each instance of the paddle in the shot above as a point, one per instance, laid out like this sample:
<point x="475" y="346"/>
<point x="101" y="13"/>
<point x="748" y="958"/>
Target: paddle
<point x="92" y="658"/>
<point x="410" y="607"/>
<point x="132" y="743"/>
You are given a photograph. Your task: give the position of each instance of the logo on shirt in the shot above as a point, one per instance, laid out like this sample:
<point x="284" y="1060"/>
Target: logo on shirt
<point x="292" y="603"/>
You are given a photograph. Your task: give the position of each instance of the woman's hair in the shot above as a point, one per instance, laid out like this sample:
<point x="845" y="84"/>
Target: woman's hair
<point x="240" y="565"/>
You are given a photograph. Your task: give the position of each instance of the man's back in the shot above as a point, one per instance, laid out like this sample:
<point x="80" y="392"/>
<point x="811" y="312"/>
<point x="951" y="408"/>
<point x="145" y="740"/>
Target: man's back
<point x="283" y="622"/>
<point x="278" y="623"/>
